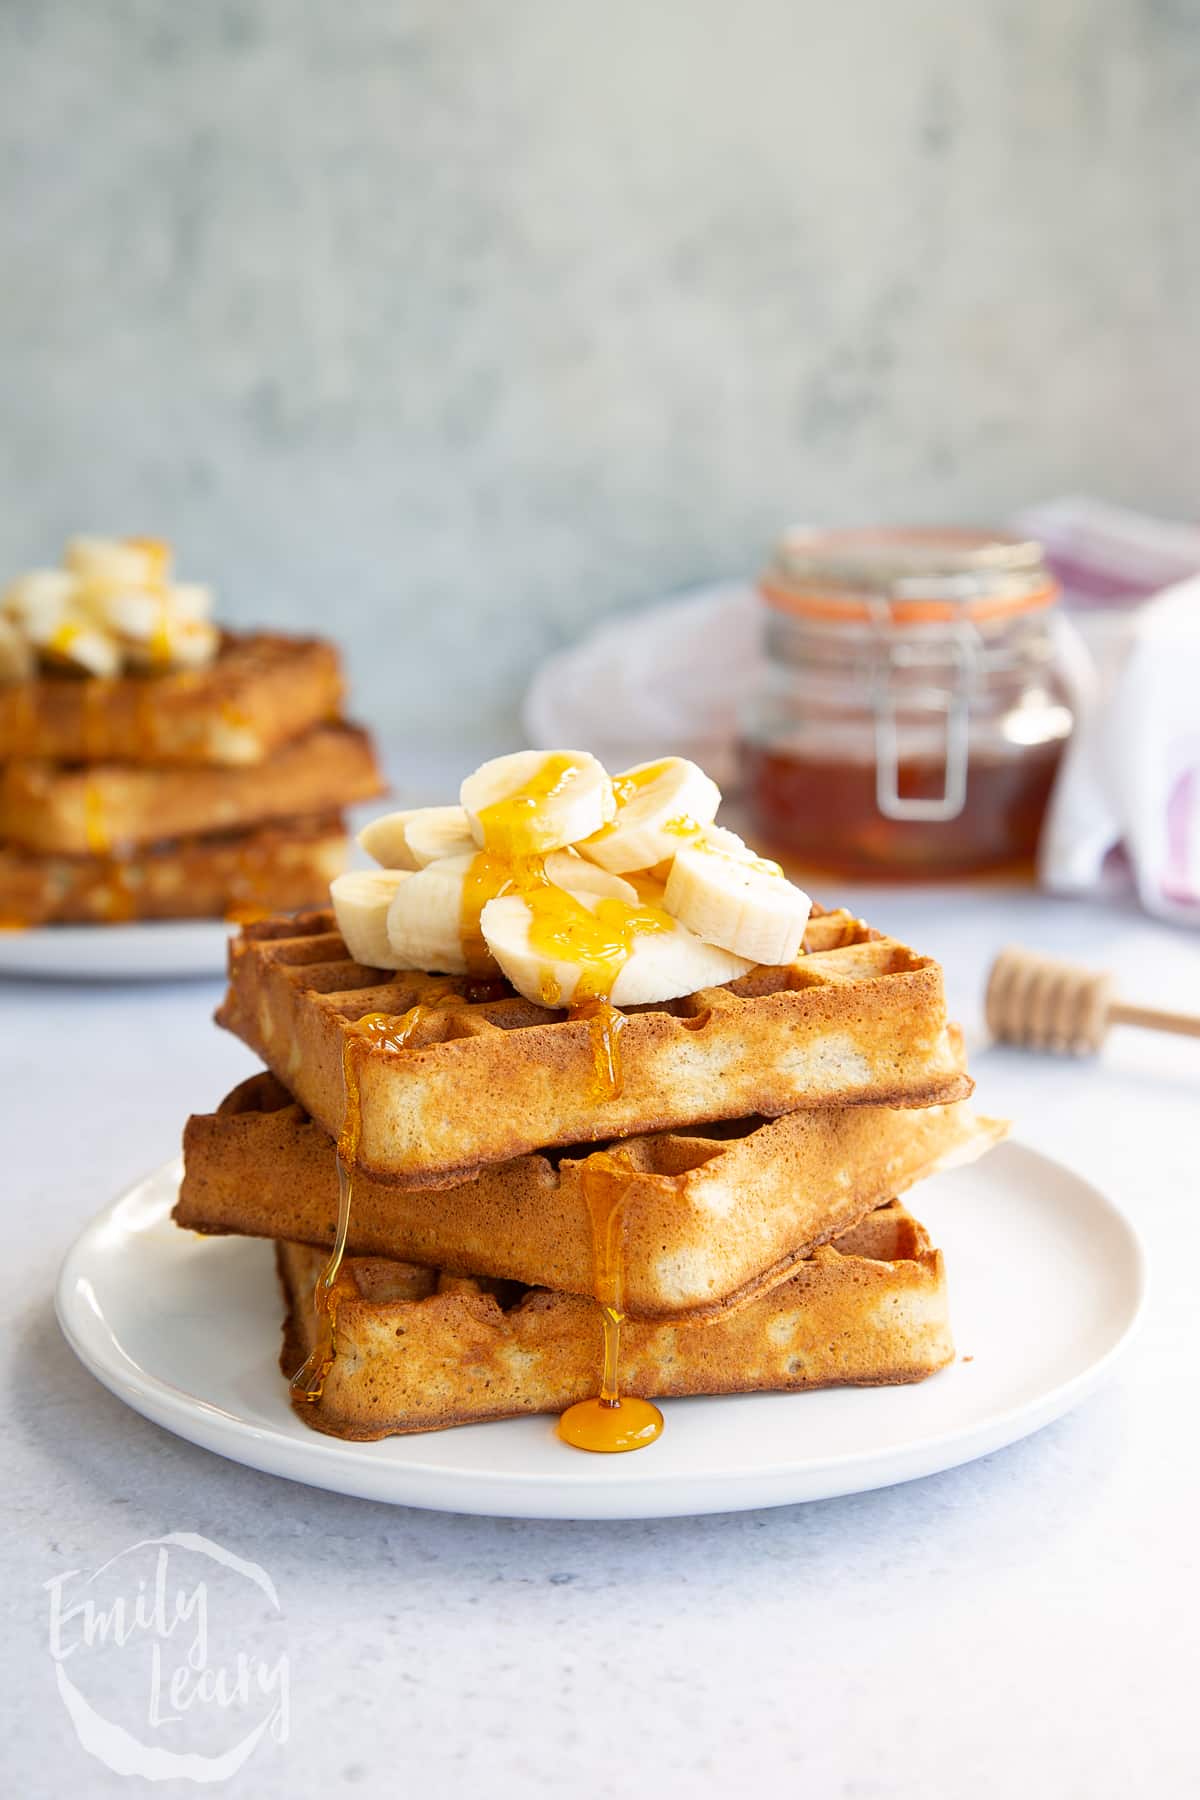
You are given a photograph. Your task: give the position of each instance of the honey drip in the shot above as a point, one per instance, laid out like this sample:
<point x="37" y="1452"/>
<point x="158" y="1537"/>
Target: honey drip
<point x="607" y="1423"/>
<point x="488" y="877"/>
<point x="605" y="1025"/>
<point x="387" y="1031"/>
<point x="95" y="818"/>
<point x="160" y="637"/>
<point x="597" y="940"/>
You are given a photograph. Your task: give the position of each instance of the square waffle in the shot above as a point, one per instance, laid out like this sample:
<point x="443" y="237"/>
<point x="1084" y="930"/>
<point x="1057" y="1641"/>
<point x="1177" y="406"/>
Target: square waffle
<point x="260" y="691"/>
<point x="711" y="1216"/>
<point x="486" y="1076"/>
<point x="74" y="811"/>
<point x="418" y="1351"/>
<point x="268" y="868"/>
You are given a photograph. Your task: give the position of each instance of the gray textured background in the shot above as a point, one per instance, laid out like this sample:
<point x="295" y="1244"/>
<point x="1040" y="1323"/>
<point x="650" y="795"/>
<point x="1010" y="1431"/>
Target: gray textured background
<point x="450" y="326"/>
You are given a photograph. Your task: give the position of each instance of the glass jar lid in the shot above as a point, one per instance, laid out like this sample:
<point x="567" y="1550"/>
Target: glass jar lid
<point x="906" y="576"/>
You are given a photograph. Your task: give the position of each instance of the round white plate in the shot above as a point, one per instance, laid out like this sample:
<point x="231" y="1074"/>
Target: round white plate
<point x="154" y="950"/>
<point x="1046" y="1283"/>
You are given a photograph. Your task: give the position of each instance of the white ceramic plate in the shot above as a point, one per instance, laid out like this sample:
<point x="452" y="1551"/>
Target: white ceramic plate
<point x="1046" y="1283"/>
<point x="154" y="950"/>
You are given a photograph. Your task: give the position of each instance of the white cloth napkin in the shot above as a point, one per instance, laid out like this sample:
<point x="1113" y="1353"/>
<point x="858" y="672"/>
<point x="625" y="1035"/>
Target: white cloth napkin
<point x="1127" y="800"/>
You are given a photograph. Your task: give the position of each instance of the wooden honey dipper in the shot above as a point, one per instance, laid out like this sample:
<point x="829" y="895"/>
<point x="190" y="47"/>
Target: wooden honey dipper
<point x="1050" y="1005"/>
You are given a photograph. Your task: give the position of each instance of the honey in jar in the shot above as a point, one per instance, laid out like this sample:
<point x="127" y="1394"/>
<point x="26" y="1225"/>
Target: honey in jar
<point x="914" y="708"/>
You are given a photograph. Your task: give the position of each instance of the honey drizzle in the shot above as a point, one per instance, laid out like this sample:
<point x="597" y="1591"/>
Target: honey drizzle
<point x="511" y="827"/>
<point x="605" y="1025"/>
<point x="488" y="877"/>
<point x="607" y="1423"/>
<point x="599" y="939"/>
<point x="386" y="1031"/>
<point x="626" y="786"/>
<point x="95" y="818"/>
<point x="92" y="730"/>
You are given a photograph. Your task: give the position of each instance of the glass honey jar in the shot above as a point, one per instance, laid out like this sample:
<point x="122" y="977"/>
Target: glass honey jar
<point x="914" y="707"/>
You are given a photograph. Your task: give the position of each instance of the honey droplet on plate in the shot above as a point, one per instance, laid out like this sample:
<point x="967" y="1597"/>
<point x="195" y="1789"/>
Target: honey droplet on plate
<point x="608" y="1428"/>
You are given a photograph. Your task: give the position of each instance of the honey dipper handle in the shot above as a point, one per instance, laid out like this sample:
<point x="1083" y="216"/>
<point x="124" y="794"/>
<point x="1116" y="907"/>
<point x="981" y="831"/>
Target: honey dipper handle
<point x="1154" y="1019"/>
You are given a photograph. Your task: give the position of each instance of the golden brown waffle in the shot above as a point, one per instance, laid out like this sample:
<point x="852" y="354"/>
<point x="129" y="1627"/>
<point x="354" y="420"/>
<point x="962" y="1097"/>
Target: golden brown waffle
<point x="486" y="1076"/>
<point x="108" y="806"/>
<point x="711" y="1217"/>
<point x="266" y="869"/>
<point x="260" y="691"/>
<point x="418" y="1351"/>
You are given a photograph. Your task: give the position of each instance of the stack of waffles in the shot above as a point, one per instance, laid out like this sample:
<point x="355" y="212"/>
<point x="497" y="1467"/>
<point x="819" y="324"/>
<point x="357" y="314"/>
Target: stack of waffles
<point x="188" y="773"/>
<point x="486" y="1204"/>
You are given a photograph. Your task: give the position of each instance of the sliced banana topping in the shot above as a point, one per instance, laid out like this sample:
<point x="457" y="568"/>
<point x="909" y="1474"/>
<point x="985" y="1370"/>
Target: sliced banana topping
<point x="558" y="949"/>
<point x="39" y="602"/>
<point x="660" y="807"/>
<point x="417" y="837"/>
<point x="361" y="899"/>
<point x="735" y="899"/>
<point x="76" y="640"/>
<point x="113" y="606"/>
<point x="567" y="869"/>
<point x="116" y="563"/>
<point x="584" y="892"/>
<point x="534" y="801"/>
<point x="433" y="922"/>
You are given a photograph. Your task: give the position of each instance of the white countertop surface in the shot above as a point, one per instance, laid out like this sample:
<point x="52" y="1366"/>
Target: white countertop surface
<point x="1026" y="1625"/>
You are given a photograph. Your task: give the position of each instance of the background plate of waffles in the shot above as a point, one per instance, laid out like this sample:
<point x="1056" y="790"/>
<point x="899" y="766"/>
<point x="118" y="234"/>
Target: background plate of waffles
<point x="159" y="775"/>
<point x="1046" y="1274"/>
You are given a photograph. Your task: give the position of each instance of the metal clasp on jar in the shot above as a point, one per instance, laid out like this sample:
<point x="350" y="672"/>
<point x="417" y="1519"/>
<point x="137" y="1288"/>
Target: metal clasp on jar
<point x="957" y="646"/>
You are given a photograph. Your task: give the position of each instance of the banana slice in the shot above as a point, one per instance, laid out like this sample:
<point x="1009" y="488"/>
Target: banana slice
<point x="76" y="640"/>
<point x="191" y="601"/>
<point x="576" y="946"/>
<point x="660" y="807"/>
<point x="130" y="612"/>
<point x="535" y="801"/>
<point x="417" y="837"/>
<point x="716" y="837"/>
<point x="360" y="903"/>
<point x="567" y="869"/>
<point x="431" y="920"/>
<point x="40" y="600"/>
<point x="736" y="900"/>
<point x="16" y="653"/>
<point x="177" y="644"/>
<point x="116" y="563"/>
<point x="190" y="644"/>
